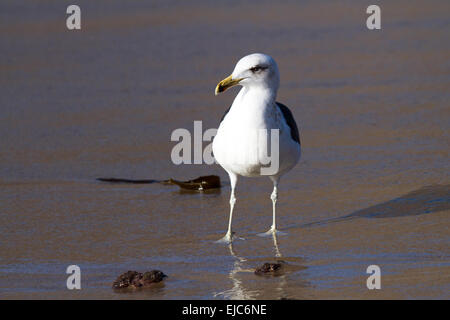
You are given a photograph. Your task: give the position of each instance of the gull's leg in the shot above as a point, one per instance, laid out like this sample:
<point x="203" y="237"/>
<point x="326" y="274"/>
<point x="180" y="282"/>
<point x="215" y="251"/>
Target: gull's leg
<point x="229" y="234"/>
<point x="274" y="198"/>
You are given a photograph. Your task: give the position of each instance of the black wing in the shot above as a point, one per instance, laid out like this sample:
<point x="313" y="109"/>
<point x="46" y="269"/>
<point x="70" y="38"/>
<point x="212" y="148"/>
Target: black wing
<point x="287" y="114"/>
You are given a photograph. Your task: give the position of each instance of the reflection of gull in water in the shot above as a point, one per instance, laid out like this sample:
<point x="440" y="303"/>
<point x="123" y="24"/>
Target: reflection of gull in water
<point x="282" y="283"/>
<point x="275" y="245"/>
<point x="237" y="292"/>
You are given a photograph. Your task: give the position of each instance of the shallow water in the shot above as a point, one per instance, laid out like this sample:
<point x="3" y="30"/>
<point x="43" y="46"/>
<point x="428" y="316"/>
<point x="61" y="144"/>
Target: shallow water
<point x="372" y="187"/>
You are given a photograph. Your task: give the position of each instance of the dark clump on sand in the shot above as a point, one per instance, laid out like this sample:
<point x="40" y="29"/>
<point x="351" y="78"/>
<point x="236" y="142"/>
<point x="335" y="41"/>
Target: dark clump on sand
<point x="198" y="184"/>
<point x="134" y="279"/>
<point x="270" y="269"/>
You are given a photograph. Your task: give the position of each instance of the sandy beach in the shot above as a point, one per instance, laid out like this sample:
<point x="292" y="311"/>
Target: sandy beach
<point x="372" y="187"/>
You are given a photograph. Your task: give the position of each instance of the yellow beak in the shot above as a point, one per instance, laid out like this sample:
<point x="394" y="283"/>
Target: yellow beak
<point x="225" y="84"/>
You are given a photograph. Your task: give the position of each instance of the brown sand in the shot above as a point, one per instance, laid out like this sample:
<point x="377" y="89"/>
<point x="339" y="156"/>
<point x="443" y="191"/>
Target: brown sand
<point x="372" y="186"/>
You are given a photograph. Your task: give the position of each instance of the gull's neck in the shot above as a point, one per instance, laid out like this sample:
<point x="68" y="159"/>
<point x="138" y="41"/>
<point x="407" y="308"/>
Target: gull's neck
<point x="252" y="107"/>
<point x="257" y="96"/>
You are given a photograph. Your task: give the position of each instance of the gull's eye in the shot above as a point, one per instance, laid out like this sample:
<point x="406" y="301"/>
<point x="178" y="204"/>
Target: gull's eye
<point x="257" y="68"/>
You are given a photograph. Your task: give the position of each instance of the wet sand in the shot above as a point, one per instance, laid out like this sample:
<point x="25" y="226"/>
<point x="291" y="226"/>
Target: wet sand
<point x="372" y="187"/>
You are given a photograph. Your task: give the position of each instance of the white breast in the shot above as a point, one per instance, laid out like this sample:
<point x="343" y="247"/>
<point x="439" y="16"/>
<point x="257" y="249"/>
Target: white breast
<point x="242" y="145"/>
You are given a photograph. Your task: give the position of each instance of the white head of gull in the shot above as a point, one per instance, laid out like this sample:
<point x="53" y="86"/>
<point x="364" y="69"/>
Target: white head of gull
<point x="254" y="127"/>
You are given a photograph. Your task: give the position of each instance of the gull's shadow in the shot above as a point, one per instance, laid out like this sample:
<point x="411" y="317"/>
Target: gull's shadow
<point x="425" y="200"/>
